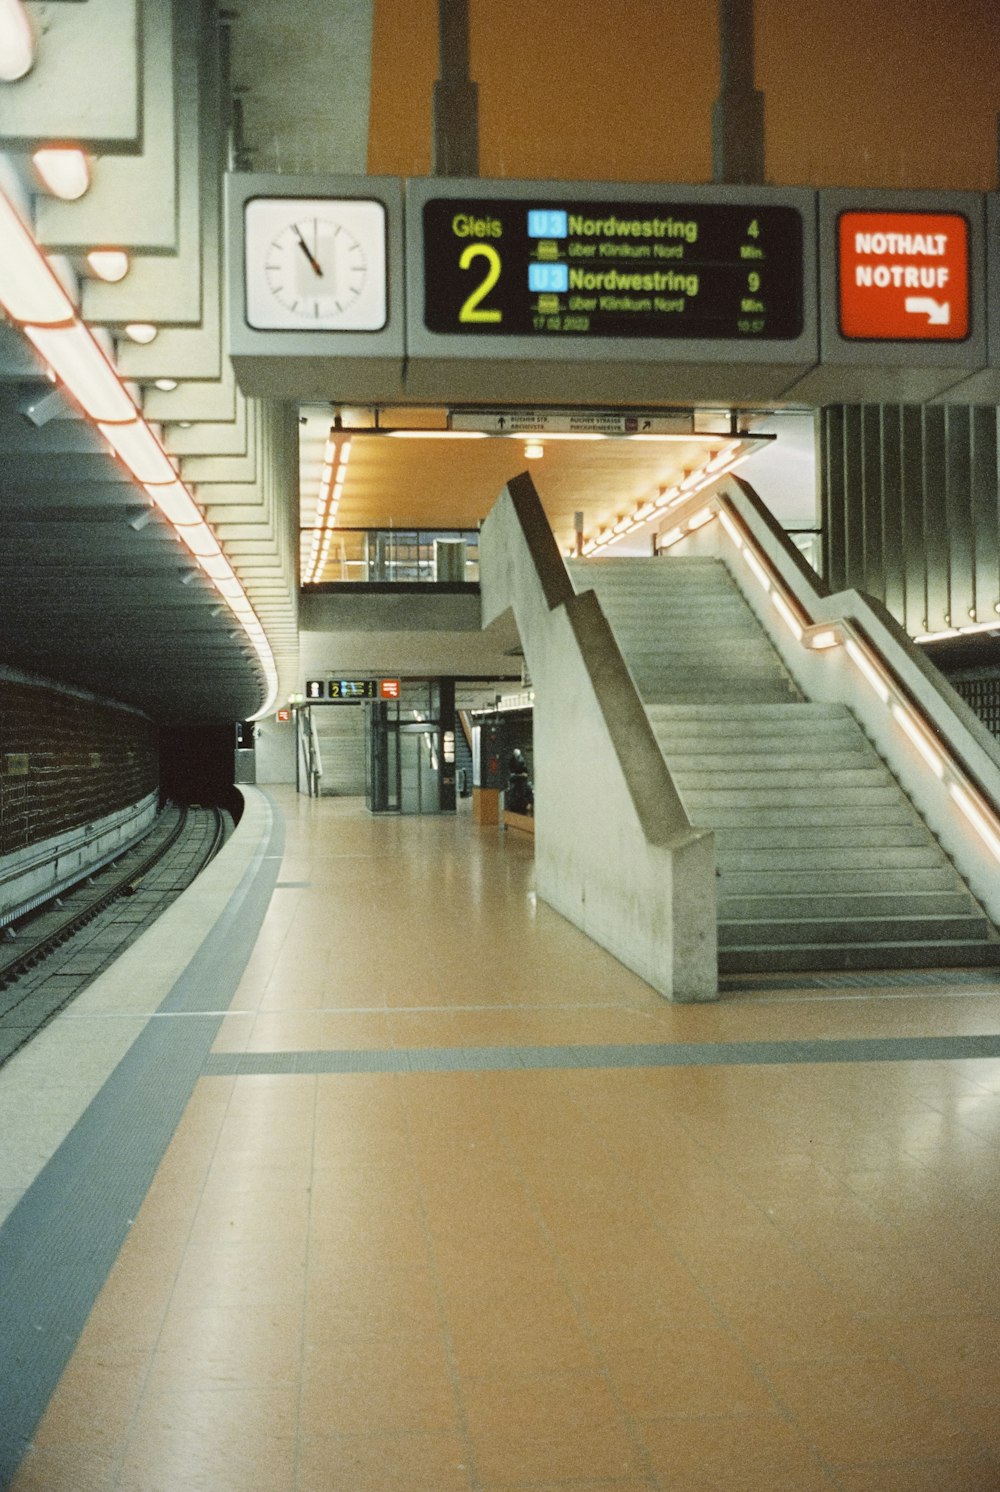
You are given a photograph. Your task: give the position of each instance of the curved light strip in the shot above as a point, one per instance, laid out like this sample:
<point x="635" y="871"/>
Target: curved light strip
<point x="29" y="290"/>
<point x="33" y="297"/>
<point x="74" y="355"/>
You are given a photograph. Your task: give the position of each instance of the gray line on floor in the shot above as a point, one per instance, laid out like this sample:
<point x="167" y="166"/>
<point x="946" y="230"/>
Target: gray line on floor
<point x="663" y="1054"/>
<point x="59" y="1243"/>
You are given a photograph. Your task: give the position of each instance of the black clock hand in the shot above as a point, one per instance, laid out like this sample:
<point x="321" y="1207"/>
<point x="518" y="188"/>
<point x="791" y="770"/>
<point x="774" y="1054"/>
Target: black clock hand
<point x="305" y="249"/>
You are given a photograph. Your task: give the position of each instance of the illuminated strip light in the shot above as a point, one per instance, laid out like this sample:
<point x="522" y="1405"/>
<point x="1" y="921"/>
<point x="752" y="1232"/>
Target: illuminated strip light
<point x="979" y="817"/>
<point x="919" y="738"/>
<point x="968" y="630"/>
<point x="873" y="674"/>
<point x="731" y="530"/>
<point x="74" y="355"/>
<point x="692" y="482"/>
<point x="32" y="296"/>
<point x="437" y="434"/>
<point x="29" y="289"/>
<point x="332" y="477"/>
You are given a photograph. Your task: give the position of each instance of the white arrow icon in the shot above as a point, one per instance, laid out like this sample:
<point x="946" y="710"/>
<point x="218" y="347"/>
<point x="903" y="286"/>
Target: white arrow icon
<point x="938" y="313"/>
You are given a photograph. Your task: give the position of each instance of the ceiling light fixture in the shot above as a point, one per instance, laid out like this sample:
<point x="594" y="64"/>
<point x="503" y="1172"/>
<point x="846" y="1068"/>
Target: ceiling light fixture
<point x="165" y="385"/>
<point x="84" y="370"/>
<point x="142" y="453"/>
<point x="109" y="264"/>
<point x="63" y="170"/>
<point x="142" y="332"/>
<point x="29" y="289"/>
<point x="436" y="434"/>
<point x="17" y="41"/>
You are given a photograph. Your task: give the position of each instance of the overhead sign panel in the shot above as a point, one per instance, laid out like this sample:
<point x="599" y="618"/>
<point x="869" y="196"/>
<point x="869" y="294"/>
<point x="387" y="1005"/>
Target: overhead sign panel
<point x="544" y="267"/>
<point x="904" y="276"/>
<point x="531" y="292"/>
<point x="571" y="422"/>
<point x="902" y="296"/>
<point x="315" y="276"/>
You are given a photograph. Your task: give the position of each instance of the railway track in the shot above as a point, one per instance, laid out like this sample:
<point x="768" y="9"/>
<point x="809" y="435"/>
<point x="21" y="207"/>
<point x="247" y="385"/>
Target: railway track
<point x="59" y="949"/>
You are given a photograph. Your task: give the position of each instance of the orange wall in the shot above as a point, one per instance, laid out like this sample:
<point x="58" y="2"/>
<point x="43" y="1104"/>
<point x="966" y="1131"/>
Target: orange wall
<point x="857" y="92"/>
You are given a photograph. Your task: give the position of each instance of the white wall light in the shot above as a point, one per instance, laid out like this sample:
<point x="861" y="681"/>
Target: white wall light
<point x="63" y="170"/>
<point x="109" y="264"/>
<point x="17" y="41"/>
<point x="142" y="332"/>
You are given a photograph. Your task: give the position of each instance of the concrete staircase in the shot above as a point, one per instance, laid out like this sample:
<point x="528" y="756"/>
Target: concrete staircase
<point x="824" y="862"/>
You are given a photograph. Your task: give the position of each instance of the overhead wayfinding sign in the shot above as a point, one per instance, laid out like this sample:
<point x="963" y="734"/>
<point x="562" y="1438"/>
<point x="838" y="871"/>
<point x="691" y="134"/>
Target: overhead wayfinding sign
<point x="903" y="276"/>
<point x="558" y="267"/>
<point x="569" y="422"/>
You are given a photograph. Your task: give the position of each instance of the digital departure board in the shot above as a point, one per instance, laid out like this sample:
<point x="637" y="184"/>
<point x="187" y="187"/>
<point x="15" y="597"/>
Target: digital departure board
<point x="509" y="267"/>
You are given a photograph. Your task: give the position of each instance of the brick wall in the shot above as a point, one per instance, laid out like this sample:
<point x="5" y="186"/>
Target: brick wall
<point x="66" y="761"/>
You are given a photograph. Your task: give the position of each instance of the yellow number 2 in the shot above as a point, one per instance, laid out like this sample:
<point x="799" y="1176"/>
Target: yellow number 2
<point x="470" y="310"/>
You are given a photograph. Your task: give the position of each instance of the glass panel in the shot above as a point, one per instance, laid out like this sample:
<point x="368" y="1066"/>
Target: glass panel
<point x="427" y="556"/>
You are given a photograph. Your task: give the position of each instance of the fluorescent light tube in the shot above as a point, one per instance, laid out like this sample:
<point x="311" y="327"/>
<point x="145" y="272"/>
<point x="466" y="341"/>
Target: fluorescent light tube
<point x="87" y="374"/>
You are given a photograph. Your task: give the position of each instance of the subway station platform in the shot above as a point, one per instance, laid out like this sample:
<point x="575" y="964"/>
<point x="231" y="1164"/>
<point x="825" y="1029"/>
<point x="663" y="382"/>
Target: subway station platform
<point x="365" y="1172"/>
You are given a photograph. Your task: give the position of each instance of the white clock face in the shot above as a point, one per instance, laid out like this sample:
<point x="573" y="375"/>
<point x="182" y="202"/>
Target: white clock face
<point x="315" y="264"/>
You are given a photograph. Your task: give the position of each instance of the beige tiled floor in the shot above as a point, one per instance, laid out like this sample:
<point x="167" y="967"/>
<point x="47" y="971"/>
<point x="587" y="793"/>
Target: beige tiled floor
<point x="702" y="1279"/>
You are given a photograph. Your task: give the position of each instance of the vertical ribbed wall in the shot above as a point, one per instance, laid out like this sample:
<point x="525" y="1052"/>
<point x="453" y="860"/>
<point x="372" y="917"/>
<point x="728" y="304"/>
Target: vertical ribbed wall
<point x="911" y="509"/>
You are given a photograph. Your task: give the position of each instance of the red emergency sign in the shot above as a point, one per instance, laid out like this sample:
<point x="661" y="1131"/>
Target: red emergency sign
<point x="284" y="716"/>
<point x="388" y="688"/>
<point x="904" y="276"/>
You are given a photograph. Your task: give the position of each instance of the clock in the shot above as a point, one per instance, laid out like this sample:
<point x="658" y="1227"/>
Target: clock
<point x="315" y="264"/>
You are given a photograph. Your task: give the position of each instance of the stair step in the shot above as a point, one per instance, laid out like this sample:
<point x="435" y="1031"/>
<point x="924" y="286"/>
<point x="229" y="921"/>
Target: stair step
<point x="808" y="816"/>
<point x="873" y="930"/>
<point x="847" y="857"/>
<point x="890" y="956"/>
<point x="775" y="796"/>
<point x="789" y="777"/>
<point x="806" y="747"/>
<point x="877" y="904"/>
<point x="757" y="761"/>
<point x="818" y="836"/>
<point x="795" y="710"/>
<point x="835" y="882"/>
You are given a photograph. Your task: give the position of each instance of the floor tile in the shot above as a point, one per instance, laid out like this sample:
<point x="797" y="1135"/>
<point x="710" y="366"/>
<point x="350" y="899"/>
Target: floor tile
<point x="866" y="1409"/>
<point x="384" y="1463"/>
<point x="759" y="1453"/>
<point x="547" y="1429"/>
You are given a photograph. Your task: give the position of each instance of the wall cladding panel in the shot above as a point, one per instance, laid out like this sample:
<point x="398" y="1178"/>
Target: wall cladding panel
<point x="66" y="760"/>
<point x="911" y="512"/>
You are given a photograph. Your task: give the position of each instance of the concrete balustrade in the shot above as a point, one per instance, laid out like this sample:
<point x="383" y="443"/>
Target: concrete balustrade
<point x="615" y="851"/>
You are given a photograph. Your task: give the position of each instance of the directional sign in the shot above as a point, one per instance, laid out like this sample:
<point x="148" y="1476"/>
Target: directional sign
<point x="903" y="276"/>
<point x="352" y="688"/>
<point x="569" y="422"/>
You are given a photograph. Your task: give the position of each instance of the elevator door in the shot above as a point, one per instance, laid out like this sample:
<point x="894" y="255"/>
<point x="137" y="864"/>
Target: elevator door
<point x="419" y="769"/>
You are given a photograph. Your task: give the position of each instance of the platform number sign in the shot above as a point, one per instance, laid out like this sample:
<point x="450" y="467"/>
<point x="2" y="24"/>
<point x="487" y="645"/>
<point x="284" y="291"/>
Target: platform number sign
<point x="707" y="270"/>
